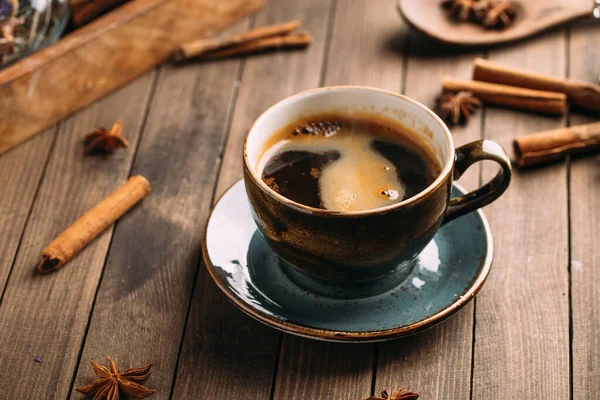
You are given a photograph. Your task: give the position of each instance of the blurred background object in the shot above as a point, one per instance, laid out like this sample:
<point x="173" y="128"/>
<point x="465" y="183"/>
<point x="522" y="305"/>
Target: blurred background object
<point x="28" y="25"/>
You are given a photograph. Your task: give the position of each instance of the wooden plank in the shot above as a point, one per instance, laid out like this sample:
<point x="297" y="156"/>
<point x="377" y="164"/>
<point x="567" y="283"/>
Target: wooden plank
<point x="522" y="316"/>
<point x="367" y="45"/>
<point x="20" y="173"/>
<point x="225" y="353"/>
<point x="47" y="315"/>
<point x="585" y="230"/>
<point x="102" y="57"/>
<point x="155" y="254"/>
<point x="366" y="49"/>
<point x="436" y="363"/>
<point x="310" y="369"/>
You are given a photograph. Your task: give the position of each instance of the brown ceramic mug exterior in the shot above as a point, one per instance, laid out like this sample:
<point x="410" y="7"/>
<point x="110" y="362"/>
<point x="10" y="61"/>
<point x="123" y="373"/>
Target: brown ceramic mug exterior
<point x="351" y="248"/>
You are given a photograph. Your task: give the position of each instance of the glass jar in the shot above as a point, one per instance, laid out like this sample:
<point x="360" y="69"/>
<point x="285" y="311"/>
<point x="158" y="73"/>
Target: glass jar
<point x="29" y="25"/>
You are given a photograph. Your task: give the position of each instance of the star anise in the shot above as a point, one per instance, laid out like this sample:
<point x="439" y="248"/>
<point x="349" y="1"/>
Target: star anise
<point x="401" y="394"/>
<point x="501" y="14"/>
<point x="457" y="108"/>
<point x="481" y="8"/>
<point x="461" y="10"/>
<point x="467" y="10"/>
<point x="103" y="140"/>
<point x="111" y="382"/>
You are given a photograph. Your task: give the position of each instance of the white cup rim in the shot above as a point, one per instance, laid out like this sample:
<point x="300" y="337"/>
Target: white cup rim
<point x="446" y="170"/>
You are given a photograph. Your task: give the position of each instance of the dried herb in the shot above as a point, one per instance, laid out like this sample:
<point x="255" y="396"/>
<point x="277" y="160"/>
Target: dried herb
<point x="111" y="382"/>
<point x="457" y="108"/>
<point x="401" y="394"/>
<point x="466" y="10"/>
<point x="461" y="10"/>
<point x="501" y="14"/>
<point x="492" y="14"/>
<point x="103" y="140"/>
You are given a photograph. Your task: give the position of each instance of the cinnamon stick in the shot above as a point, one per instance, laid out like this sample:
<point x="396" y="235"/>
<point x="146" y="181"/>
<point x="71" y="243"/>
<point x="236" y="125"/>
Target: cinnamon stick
<point x="553" y="145"/>
<point x="198" y="47"/>
<point x="92" y="223"/>
<point x="301" y="39"/>
<point x="579" y="93"/>
<point x="538" y="101"/>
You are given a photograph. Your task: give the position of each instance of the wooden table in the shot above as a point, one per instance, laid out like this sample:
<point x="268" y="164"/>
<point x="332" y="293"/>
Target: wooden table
<point x="141" y="294"/>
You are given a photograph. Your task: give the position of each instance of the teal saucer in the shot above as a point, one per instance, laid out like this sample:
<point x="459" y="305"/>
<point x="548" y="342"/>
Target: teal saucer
<point x="447" y="274"/>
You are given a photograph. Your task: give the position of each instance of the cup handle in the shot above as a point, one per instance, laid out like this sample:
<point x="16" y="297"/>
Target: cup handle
<point x="468" y="155"/>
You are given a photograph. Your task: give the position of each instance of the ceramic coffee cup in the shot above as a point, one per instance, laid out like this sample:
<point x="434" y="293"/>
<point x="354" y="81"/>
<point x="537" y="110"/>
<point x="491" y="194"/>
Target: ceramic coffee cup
<point x="361" y="246"/>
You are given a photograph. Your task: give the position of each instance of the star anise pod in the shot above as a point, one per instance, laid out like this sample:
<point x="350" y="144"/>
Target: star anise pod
<point x="457" y="108"/>
<point x="462" y="10"/>
<point x="111" y="382"/>
<point x="481" y="8"/>
<point x="501" y="14"/>
<point x="103" y="140"/>
<point x="401" y="394"/>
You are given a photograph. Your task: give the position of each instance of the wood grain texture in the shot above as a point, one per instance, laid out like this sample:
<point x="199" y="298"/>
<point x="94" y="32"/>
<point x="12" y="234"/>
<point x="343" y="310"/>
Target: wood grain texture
<point x="46" y="315"/>
<point x="93" y="64"/>
<point x="366" y="49"/>
<point x="585" y="231"/>
<point x="311" y="369"/>
<point x="437" y="362"/>
<point x="143" y="300"/>
<point x="84" y="11"/>
<point x="367" y="45"/>
<point x="522" y="316"/>
<point x="226" y="353"/>
<point x="20" y="174"/>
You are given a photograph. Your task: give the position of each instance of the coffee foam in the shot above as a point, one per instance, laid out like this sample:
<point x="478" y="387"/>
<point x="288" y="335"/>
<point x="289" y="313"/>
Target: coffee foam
<point x="361" y="179"/>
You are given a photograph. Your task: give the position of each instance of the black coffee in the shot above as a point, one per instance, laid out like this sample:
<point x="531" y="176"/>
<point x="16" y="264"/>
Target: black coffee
<point x="344" y="163"/>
